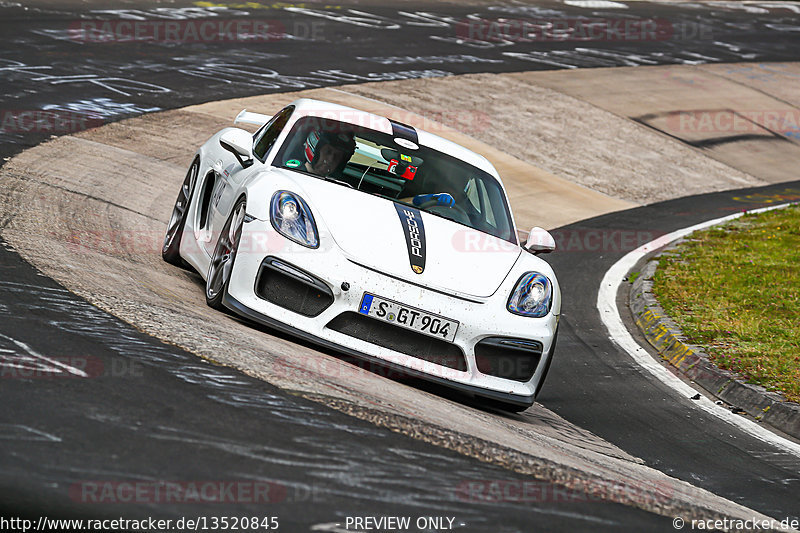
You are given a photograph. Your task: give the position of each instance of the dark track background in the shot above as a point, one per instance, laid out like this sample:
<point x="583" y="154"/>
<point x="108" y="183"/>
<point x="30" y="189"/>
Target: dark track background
<point x="47" y="64"/>
<point x="156" y="413"/>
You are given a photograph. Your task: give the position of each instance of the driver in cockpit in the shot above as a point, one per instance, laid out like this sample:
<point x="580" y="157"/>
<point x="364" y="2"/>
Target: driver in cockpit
<point x="327" y="153"/>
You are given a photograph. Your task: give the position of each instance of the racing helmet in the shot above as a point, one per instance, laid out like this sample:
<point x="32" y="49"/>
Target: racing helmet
<point x="343" y="141"/>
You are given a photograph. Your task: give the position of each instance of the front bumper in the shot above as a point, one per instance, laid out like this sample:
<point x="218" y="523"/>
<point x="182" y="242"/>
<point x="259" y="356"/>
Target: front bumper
<point x="480" y="319"/>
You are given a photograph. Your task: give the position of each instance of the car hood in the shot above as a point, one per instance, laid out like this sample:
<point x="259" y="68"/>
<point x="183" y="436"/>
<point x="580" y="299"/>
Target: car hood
<point x="376" y="233"/>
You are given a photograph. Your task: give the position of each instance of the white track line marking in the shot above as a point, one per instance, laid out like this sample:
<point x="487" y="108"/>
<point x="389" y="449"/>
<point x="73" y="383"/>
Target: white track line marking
<point x="33" y="355"/>
<point x="609" y="314"/>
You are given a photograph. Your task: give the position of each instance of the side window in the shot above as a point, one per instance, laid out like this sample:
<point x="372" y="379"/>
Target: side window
<point x="471" y="192"/>
<point x="486" y="203"/>
<point x="270" y="132"/>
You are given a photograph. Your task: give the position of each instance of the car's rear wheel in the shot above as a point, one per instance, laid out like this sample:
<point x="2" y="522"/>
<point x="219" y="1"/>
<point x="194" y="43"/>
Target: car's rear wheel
<point x="219" y="271"/>
<point x="170" y="251"/>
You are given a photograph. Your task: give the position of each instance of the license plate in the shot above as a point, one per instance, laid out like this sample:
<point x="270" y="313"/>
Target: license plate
<point x="408" y="317"/>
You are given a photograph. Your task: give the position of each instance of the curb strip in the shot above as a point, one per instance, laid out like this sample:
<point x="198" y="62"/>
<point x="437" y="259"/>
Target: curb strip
<point x="690" y="360"/>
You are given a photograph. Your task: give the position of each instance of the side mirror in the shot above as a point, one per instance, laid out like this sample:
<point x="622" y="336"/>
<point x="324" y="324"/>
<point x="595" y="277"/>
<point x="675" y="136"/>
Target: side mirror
<point x="240" y="144"/>
<point x="540" y="241"/>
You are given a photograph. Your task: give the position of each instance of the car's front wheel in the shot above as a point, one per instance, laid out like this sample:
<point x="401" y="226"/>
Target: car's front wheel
<point x="170" y="251"/>
<point x="219" y="271"/>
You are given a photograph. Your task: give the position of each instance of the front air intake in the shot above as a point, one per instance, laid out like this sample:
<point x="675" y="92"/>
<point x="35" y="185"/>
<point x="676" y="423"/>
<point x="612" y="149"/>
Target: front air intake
<point x="508" y="358"/>
<point x="287" y="286"/>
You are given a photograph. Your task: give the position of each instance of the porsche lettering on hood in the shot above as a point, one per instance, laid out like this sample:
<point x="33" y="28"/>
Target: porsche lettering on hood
<point x="414" y="229"/>
<point x="367" y="229"/>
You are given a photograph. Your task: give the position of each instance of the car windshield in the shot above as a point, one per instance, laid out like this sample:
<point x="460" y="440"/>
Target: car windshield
<point x="377" y="164"/>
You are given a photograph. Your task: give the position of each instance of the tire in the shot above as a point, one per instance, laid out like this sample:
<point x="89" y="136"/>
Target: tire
<point x="219" y="270"/>
<point x="170" y="251"/>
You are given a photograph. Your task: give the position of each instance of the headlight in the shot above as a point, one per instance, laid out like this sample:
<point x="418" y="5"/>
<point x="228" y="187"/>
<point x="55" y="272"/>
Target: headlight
<point x="532" y="296"/>
<point x="292" y="218"/>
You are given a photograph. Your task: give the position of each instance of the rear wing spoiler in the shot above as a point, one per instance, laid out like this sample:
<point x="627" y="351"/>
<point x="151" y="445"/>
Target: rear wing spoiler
<point x="246" y="117"/>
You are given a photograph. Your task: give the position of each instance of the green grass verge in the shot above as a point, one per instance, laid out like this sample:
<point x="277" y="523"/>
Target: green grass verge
<point x="735" y="290"/>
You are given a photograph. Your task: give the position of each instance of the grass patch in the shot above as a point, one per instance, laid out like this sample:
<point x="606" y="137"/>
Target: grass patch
<point x="735" y="290"/>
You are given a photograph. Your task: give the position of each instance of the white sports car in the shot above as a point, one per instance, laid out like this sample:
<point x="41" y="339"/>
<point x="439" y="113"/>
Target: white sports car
<point x="376" y="239"/>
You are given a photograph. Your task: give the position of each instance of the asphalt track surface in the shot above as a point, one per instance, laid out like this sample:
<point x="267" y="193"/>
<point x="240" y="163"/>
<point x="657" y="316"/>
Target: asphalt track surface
<point x="152" y="415"/>
<point x="155" y="413"/>
<point x="45" y="64"/>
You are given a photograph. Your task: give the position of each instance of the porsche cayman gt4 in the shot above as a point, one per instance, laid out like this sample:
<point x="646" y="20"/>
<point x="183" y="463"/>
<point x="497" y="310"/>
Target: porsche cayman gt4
<point x="373" y="238"/>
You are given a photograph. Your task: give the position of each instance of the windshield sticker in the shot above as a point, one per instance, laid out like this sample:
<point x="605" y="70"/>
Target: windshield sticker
<point x="406" y="158"/>
<point x="414" y="230"/>
<point x="405" y="143"/>
<point x="293" y="163"/>
<point x="407" y="172"/>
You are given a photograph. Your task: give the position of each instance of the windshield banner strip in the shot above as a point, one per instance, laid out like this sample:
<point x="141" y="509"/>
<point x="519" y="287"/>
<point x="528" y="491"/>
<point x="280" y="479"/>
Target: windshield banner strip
<point x="414" y="230"/>
<point x="404" y="131"/>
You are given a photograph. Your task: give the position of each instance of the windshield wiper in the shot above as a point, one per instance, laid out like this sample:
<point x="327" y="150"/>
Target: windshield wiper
<point x="334" y="180"/>
<point x="326" y="178"/>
